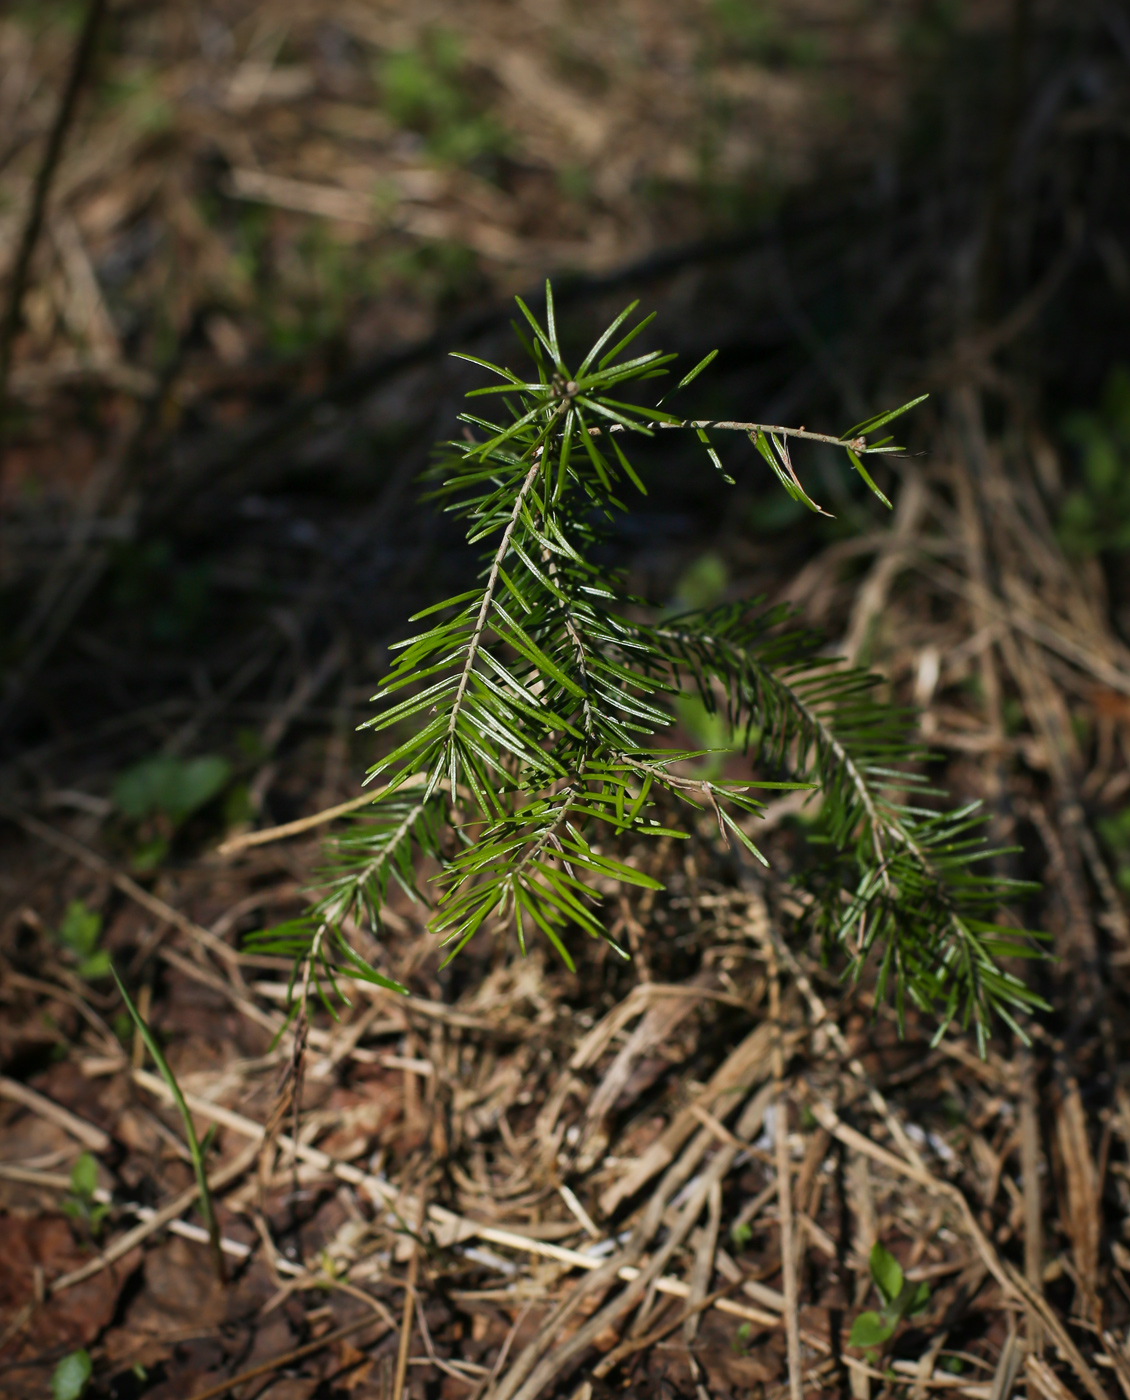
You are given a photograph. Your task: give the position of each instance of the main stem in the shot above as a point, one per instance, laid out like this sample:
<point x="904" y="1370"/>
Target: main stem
<point x="488" y="594"/>
<point x="857" y="444"/>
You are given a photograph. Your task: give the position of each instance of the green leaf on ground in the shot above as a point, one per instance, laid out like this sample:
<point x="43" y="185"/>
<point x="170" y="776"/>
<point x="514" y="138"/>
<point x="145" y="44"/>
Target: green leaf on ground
<point x="81" y="929"/>
<point x="174" y="787"/>
<point x="84" y="1176"/>
<point x="886" y="1272"/>
<point x="71" y="1376"/>
<point x="870" y="1330"/>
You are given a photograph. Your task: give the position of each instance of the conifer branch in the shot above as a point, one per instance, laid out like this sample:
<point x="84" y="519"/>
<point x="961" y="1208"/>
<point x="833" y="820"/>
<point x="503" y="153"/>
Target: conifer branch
<point x="812" y="720"/>
<point x="531" y="712"/>
<point x="857" y="444"/>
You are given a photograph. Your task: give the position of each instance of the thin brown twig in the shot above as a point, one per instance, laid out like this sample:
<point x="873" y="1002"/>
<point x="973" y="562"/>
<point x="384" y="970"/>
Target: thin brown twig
<point x="410" y="1299"/>
<point x="80" y="63"/>
<point x="287" y="1358"/>
<point x="246" y="839"/>
<point x="784" y="1178"/>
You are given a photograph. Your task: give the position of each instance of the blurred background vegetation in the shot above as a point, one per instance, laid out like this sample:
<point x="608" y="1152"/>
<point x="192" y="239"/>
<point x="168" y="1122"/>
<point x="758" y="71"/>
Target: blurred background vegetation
<point x="270" y="220"/>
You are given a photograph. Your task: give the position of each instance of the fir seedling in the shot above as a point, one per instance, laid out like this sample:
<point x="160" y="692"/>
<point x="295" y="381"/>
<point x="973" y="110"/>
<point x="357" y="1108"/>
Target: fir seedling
<point x="528" y="718"/>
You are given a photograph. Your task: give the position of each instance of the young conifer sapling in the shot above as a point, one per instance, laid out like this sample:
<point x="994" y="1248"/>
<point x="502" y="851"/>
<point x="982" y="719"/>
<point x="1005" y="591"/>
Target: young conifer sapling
<point x="529" y="718"/>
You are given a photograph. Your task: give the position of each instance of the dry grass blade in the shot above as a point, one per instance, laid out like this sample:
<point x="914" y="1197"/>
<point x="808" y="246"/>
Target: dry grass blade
<point x="1081" y="1217"/>
<point x="534" y="1379"/>
<point x="1059" y="1334"/>
<point x="1116" y="1355"/>
<point x="1044" y="1380"/>
<point x="1008" y="1368"/>
<point x="896" y="552"/>
<point x="634" y="1345"/>
<point x="660" y="1020"/>
<point x="247" y="839"/>
<point x="704" y="1260"/>
<point x="745" y="1066"/>
<point x="925" y="1371"/>
<point x="409" y="1301"/>
<point x="784" y="1177"/>
<point x="1033" y="1213"/>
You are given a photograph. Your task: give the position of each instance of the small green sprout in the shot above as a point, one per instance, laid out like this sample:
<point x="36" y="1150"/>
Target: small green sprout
<point x="871" y="1331"/>
<point x="79" y="933"/>
<point x="80" y="1204"/>
<point x="161" y="793"/>
<point x="71" y="1377"/>
<point x="173" y="787"/>
<point x="740" y="1342"/>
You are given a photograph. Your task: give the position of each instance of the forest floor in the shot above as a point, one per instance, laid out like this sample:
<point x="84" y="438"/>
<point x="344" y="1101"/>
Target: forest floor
<point x="269" y="223"/>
